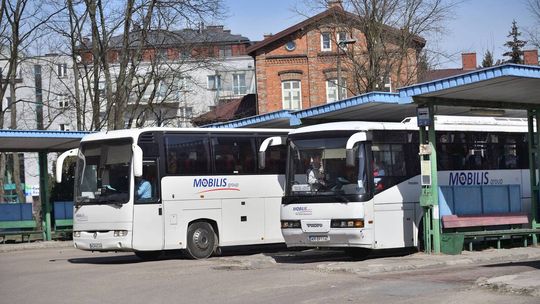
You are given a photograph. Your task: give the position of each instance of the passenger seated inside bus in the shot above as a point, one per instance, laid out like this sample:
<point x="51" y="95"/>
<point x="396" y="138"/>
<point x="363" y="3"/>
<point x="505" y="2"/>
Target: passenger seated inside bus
<point x="145" y="185"/>
<point x="315" y="173"/>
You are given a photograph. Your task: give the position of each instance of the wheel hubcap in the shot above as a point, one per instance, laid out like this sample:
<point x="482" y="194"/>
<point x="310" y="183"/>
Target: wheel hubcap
<point x="200" y="239"/>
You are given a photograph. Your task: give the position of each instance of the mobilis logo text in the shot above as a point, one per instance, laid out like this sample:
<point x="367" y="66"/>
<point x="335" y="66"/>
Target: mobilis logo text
<point x="215" y="183"/>
<point x="210" y="182"/>
<point x="469" y="178"/>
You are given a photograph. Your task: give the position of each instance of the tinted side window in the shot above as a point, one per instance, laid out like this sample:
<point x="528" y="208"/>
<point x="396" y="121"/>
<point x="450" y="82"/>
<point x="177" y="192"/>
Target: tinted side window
<point x="275" y="160"/>
<point x="187" y="154"/>
<point x="234" y="155"/>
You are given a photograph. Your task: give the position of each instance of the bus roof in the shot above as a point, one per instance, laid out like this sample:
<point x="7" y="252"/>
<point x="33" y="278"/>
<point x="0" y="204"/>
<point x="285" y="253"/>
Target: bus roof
<point x="134" y="133"/>
<point x="442" y="123"/>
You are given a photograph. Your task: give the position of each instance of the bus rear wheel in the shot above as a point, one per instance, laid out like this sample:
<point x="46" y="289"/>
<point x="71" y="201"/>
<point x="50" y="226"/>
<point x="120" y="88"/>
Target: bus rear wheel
<point x="201" y="240"/>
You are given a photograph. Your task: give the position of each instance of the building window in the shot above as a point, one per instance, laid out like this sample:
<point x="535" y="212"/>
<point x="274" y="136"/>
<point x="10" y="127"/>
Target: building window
<point x="162" y="54"/>
<point x="8" y="105"/>
<point x="184" y="84"/>
<point x="64" y="127"/>
<point x="61" y="69"/>
<point x="214" y="82"/>
<point x="63" y="101"/>
<point x="163" y="90"/>
<point x="239" y="84"/>
<point x="101" y="88"/>
<point x="326" y="44"/>
<point x="291" y="92"/>
<point x="387" y="84"/>
<point x="186" y="113"/>
<point x="332" y="90"/>
<point x="225" y="51"/>
<point x="342" y="36"/>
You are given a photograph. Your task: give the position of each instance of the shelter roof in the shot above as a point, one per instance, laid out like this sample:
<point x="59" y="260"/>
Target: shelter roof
<point x="39" y="140"/>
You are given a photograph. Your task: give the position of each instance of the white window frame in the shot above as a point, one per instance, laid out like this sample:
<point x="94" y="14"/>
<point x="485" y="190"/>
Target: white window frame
<point x="63" y="101"/>
<point x="64" y="127"/>
<point x="61" y="70"/>
<point x="339" y="39"/>
<point x="290" y="93"/>
<point x="323" y="48"/>
<point x="332" y="89"/>
<point x="184" y="84"/>
<point x="239" y="88"/>
<point x="216" y="78"/>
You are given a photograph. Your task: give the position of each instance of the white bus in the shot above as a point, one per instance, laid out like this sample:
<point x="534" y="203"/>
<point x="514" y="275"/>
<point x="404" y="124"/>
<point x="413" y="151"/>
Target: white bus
<point x="155" y="189"/>
<point x="372" y="200"/>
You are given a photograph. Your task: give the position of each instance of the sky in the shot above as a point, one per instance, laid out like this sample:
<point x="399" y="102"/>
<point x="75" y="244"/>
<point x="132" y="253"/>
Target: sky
<point x="476" y="26"/>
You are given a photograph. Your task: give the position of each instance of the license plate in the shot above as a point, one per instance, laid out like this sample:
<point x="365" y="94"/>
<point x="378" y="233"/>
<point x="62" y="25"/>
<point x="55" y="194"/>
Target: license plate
<point x="319" y="238"/>
<point x="96" y="246"/>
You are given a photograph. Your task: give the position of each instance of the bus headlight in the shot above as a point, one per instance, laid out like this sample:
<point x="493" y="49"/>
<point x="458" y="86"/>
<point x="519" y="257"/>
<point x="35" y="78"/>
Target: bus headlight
<point x="76" y="234"/>
<point x="119" y="233"/>
<point x="347" y="223"/>
<point x="290" y="224"/>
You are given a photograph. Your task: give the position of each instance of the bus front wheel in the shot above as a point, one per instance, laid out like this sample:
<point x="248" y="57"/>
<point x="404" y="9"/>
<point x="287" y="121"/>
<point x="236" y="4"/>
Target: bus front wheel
<point x="201" y="240"/>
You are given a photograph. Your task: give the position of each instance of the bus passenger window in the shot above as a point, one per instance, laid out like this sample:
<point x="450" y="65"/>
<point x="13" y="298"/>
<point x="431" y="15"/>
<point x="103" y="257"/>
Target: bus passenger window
<point x="146" y="185"/>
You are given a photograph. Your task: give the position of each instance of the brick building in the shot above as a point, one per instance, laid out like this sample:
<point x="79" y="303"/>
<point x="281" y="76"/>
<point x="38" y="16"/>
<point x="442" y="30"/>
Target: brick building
<point x="299" y="67"/>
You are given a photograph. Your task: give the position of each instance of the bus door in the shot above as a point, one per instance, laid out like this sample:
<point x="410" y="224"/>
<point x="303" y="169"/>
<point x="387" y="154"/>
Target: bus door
<point x="148" y="209"/>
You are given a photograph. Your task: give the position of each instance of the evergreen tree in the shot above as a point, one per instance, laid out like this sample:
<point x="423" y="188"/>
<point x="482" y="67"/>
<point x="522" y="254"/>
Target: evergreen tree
<point x="488" y="60"/>
<point x="515" y="45"/>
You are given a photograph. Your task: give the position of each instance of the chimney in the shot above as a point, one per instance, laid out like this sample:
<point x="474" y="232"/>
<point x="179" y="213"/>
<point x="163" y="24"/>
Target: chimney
<point x="268" y="35"/>
<point x="334" y="4"/>
<point x="530" y="57"/>
<point x="468" y="61"/>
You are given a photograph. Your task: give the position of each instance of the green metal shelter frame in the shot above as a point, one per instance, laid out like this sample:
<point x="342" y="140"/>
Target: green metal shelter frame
<point x="42" y="142"/>
<point x="507" y="90"/>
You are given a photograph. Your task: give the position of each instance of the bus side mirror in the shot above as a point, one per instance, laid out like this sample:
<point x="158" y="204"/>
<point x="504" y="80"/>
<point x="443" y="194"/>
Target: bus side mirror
<point x="137" y="161"/>
<point x="349" y="152"/>
<point x="60" y="162"/>
<point x="270" y="141"/>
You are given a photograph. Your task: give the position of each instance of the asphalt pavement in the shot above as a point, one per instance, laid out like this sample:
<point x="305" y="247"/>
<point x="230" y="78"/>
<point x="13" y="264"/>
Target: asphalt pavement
<point x="527" y="282"/>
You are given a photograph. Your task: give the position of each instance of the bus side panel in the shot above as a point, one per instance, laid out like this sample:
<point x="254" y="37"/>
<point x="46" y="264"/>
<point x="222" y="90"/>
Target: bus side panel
<point x="243" y="221"/>
<point x="394" y="225"/>
<point x="179" y="213"/>
<point x="272" y="224"/>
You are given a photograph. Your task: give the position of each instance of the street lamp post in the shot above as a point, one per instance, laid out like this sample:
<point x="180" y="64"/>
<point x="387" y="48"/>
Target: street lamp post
<point x="341" y="46"/>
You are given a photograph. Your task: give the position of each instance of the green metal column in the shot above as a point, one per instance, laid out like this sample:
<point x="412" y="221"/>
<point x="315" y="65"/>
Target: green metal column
<point x="44" y="195"/>
<point x="534" y="153"/>
<point x="435" y="218"/>
<point x="424" y="202"/>
<point x="429" y="198"/>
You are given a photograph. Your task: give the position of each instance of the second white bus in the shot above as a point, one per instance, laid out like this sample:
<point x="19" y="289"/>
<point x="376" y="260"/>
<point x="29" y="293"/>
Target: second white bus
<point x="372" y="200"/>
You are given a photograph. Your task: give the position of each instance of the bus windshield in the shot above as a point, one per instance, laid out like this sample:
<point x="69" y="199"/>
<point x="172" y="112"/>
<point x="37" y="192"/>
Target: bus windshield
<point x="103" y="172"/>
<point x="318" y="168"/>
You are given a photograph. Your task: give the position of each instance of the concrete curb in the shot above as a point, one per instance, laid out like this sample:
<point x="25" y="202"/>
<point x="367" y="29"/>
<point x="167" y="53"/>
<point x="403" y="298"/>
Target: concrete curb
<point x="35" y="245"/>
<point x="419" y="261"/>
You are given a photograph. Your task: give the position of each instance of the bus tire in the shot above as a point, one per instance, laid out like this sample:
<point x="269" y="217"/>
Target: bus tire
<point x="201" y="240"/>
<point x="148" y="255"/>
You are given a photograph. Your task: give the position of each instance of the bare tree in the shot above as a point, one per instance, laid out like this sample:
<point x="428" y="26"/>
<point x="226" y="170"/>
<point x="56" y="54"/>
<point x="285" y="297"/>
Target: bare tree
<point x="534" y="34"/>
<point x="119" y="57"/>
<point x="21" y="23"/>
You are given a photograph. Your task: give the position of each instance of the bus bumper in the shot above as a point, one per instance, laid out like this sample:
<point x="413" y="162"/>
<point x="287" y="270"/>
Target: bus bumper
<point x="102" y="241"/>
<point x="345" y="237"/>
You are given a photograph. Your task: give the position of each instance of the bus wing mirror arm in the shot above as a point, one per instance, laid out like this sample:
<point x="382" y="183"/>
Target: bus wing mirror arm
<point x="60" y="162"/>
<point x="349" y="152"/>
<point x="137" y="161"/>
<point x="270" y="141"/>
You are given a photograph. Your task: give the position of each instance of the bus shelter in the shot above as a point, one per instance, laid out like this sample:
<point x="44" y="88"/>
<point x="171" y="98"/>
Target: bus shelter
<point x="42" y="142"/>
<point x="503" y="91"/>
